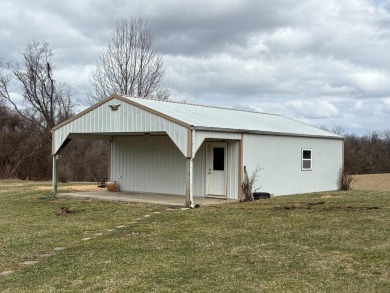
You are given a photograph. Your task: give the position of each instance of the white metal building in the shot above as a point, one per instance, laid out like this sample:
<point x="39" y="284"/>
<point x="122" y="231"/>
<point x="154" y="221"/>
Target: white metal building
<point x="194" y="150"/>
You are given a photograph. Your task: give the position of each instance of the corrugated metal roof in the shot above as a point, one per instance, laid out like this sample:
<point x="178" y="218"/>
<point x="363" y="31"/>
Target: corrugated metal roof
<point x="208" y="117"/>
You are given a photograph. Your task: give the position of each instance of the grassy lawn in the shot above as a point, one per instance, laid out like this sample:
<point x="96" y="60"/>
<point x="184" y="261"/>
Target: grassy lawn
<point x="325" y="242"/>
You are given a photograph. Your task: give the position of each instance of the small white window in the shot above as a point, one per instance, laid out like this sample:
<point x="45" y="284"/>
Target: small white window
<point x="306" y="159"/>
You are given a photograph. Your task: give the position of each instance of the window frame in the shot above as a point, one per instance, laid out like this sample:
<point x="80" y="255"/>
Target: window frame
<point x="307" y="160"/>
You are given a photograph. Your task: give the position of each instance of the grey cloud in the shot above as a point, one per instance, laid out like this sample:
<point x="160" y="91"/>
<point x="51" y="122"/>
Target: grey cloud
<point x="322" y="62"/>
<point x="205" y="26"/>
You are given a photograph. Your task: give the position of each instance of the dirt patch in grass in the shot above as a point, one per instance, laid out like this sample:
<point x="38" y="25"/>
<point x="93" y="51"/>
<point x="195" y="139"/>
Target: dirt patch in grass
<point x="330" y="196"/>
<point x="348" y="208"/>
<point x="308" y="205"/>
<point x="372" y="182"/>
<point x="133" y="234"/>
<point x="320" y="206"/>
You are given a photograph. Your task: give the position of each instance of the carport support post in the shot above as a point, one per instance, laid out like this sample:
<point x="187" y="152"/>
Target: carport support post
<point x="54" y="178"/>
<point x="188" y="183"/>
<point x="190" y="172"/>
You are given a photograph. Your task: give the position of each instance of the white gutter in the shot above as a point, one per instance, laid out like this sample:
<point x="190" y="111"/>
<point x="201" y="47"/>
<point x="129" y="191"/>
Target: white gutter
<point x="248" y="131"/>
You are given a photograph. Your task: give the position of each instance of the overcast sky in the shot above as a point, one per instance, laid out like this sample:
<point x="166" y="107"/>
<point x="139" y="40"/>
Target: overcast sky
<point x="326" y="63"/>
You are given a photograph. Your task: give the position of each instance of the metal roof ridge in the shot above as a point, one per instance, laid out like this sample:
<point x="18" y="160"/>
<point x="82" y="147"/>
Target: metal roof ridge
<point x="205" y="106"/>
<point x="238" y="110"/>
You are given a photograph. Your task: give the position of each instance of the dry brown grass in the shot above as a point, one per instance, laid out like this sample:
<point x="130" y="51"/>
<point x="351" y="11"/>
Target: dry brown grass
<point x="46" y="185"/>
<point x="372" y="182"/>
<point x="76" y="187"/>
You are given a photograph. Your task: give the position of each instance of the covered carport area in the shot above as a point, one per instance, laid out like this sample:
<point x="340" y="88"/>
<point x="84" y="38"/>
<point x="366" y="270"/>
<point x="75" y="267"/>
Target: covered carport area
<point x="122" y="122"/>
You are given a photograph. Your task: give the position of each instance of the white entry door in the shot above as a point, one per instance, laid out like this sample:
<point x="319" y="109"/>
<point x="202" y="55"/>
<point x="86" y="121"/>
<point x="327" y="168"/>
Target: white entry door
<point x="216" y="168"/>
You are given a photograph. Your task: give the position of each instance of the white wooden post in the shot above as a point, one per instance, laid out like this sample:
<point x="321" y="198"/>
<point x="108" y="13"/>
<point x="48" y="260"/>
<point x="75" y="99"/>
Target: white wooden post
<point x="54" y="178"/>
<point x="188" y="183"/>
<point x="192" y="204"/>
<point x="190" y="174"/>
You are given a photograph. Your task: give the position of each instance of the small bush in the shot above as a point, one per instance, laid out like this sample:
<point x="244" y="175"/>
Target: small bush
<point x="249" y="183"/>
<point x="345" y="180"/>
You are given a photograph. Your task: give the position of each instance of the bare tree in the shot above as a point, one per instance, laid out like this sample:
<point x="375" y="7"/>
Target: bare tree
<point x="33" y="103"/>
<point x="45" y="102"/>
<point x="24" y="152"/>
<point x="248" y="185"/>
<point x="386" y="135"/>
<point x="130" y="65"/>
<point x="339" y="130"/>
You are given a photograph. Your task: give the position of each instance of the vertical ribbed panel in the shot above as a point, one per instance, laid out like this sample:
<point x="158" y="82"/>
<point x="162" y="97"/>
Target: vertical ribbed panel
<point x="148" y="164"/>
<point x="280" y="158"/>
<point x="200" y="171"/>
<point x="232" y="176"/>
<point x="127" y="118"/>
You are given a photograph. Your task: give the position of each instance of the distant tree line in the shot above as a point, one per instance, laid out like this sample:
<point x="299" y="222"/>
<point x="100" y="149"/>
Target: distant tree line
<point x="368" y="154"/>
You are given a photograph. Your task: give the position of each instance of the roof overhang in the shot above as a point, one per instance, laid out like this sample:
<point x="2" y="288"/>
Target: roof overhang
<point x="101" y="121"/>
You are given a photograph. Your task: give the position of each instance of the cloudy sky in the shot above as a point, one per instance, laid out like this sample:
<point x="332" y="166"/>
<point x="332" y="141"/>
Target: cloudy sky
<point x="326" y="63"/>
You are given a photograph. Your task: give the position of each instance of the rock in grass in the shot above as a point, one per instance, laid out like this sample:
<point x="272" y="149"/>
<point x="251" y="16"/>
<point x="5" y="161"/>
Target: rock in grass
<point x="30" y="262"/>
<point x="59" y="248"/>
<point x="63" y="211"/>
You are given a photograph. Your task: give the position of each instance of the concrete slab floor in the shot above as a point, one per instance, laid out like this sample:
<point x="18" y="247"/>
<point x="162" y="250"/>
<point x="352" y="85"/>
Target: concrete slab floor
<point x="149" y="198"/>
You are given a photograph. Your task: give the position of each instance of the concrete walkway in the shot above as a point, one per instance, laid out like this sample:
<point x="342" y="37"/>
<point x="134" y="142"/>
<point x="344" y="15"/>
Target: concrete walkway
<point x="149" y="198"/>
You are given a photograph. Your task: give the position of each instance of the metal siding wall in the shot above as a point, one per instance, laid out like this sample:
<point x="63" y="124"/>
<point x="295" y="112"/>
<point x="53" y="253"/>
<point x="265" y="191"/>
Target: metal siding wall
<point x="148" y="164"/>
<point x="200" y="171"/>
<point x="232" y="181"/>
<point x="126" y="119"/>
<point x="280" y="158"/>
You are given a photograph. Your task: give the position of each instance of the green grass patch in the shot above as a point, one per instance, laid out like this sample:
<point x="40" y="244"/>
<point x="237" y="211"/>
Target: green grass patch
<point x="323" y="242"/>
